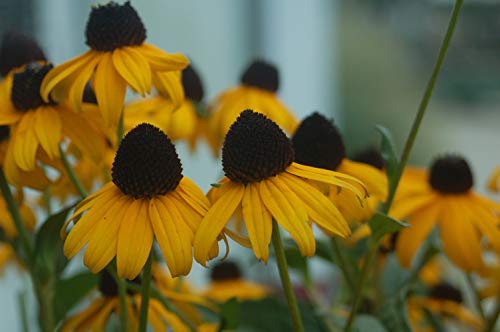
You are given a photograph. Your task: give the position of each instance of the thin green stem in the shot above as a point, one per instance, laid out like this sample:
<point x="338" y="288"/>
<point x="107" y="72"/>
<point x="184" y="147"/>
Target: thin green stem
<point x="407" y="150"/>
<point x="16" y="217"/>
<point x="122" y="295"/>
<point x="21" y="298"/>
<point x="145" y="293"/>
<point x="475" y="294"/>
<point x="279" y="252"/>
<point x="45" y="297"/>
<point x="342" y="264"/>
<point x="74" y="179"/>
<point x="492" y="321"/>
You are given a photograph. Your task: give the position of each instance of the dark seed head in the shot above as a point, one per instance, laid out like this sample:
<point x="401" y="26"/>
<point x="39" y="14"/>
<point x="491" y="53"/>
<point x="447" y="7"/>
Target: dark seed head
<point x="4" y="133"/>
<point x="225" y="271"/>
<point x="108" y="287"/>
<point x="370" y="156"/>
<point x="146" y="163"/>
<point x="25" y="94"/>
<point x="191" y="82"/>
<point x="262" y="75"/>
<point x="318" y="143"/>
<point x="255" y="148"/>
<point x="451" y="174"/>
<point x="445" y="291"/>
<point x="17" y="50"/>
<point x="112" y="26"/>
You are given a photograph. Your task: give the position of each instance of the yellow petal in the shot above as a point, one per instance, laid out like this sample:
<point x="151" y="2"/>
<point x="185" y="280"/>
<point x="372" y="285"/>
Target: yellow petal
<point x="258" y="222"/>
<point x="48" y="129"/>
<point x="173" y="321"/>
<point x="26" y="142"/>
<point x="80" y="80"/>
<point x="73" y="323"/>
<point x="193" y="196"/>
<point x="374" y="179"/>
<point x="215" y="219"/>
<point x="173" y="238"/>
<point x="160" y="60"/>
<point x="168" y="84"/>
<point x="135" y="239"/>
<point x="288" y="215"/>
<point x="492" y="180"/>
<point x="405" y="207"/>
<point x="484" y="219"/>
<point x="110" y="89"/>
<point x="134" y="68"/>
<point x="190" y="216"/>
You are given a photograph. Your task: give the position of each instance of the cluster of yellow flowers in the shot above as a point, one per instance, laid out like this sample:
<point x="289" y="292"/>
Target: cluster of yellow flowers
<point x="66" y="130"/>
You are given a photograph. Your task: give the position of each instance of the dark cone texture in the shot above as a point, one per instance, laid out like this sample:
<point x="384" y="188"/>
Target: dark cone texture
<point x="108" y="287"/>
<point x="318" y="143"/>
<point x="370" y="156"/>
<point x="262" y="75"/>
<point x="451" y="175"/>
<point x="4" y="133"/>
<point x="445" y="291"/>
<point x="17" y="50"/>
<point x="112" y="26"/>
<point x="255" y="148"/>
<point x="146" y="163"/>
<point x="25" y="94"/>
<point x="225" y="271"/>
<point x="191" y="82"/>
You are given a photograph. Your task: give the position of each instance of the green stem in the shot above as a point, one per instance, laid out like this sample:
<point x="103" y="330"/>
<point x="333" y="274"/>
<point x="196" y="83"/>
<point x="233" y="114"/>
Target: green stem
<point x="21" y="298"/>
<point x="45" y="297"/>
<point x="145" y="292"/>
<point x="475" y="294"/>
<point x="342" y="264"/>
<point x="74" y="179"/>
<point x="122" y="294"/>
<point x="16" y="217"/>
<point x="279" y="251"/>
<point x="492" y="321"/>
<point x="407" y="150"/>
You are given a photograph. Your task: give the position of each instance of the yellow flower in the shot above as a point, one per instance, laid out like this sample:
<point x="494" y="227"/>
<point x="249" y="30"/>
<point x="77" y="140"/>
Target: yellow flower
<point x="263" y="181"/>
<point x="445" y="301"/>
<point x="148" y="197"/>
<point x="318" y="143"/>
<point x="227" y="283"/>
<point x="257" y="91"/>
<point x="445" y="198"/>
<point x="118" y="58"/>
<point x="96" y="315"/>
<point x="182" y="124"/>
<point x="38" y="127"/>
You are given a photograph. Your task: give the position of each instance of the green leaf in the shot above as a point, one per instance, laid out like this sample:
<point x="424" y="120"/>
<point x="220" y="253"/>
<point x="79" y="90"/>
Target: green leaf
<point x="381" y="224"/>
<point x="230" y="315"/>
<point x="295" y="260"/>
<point x="394" y="315"/>
<point x="216" y="185"/>
<point x="388" y="151"/>
<point x="68" y="292"/>
<point x="49" y="258"/>
<point x="367" y="323"/>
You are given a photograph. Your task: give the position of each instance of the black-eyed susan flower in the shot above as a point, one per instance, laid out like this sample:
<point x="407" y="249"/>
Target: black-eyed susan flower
<point x="257" y="91"/>
<point x="263" y="181"/>
<point x="443" y="300"/>
<point x="98" y="313"/>
<point x="147" y="198"/>
<point x="186" y="123"/>
<point x="318" y="143"/>
<point x="444" y="197"/>
<point x="38" y="127"/>
<point x="227" y="283"/>
<point x="118" y="57"/>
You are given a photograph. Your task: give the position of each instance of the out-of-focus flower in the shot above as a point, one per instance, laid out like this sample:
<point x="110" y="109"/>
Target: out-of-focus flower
<point x="118" y="58"/>
<point x="257" y="91"/>
<point x="262" y="179"/>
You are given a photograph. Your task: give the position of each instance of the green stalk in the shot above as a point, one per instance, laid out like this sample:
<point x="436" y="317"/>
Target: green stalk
<point x="342" y="264"/>
<point x="21" y="298"/>
<point x="145" y="292"/>
<point x="407" y="150"/>
<point x="74" y="179"/>
<point x="492" y="321"/>
<point x="279" y="251"/>
<point x="122" y="294"/>
<point x="475" y="294"/>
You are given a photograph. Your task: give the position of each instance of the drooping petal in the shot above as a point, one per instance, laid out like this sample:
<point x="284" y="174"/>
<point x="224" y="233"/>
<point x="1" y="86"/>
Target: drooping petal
<point x="374" y="179"/>
<point x="48" y="129"/>
<point x="74" y="322"/>
<point x="215" y="220"/>
<point x="134" y="69"/>
<point x="193" y="195"/>
<point x="160" y="60"/>
<point x="403" y="208"/>
<point x="288" y="215"/>
<point x="135" y="240"/>
<point x="26" y="143"/>
<point x="168" y="84"/>
<point x="484" y="219"/>
<point x="258" y="222"/>
<point x="79" y="81"/>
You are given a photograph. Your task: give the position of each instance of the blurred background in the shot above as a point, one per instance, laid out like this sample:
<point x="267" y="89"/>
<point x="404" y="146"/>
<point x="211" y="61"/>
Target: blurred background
<point x="360" y="62"/>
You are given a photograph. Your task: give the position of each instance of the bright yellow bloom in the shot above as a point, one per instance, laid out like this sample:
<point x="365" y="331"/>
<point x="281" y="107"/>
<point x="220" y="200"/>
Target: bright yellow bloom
<point x="118" y="58"/>
<point x="263" y="181"/>
<point x="148" y="197"/>
<point x="445" y="198"/>
<point x="259" y="84"/>
<point x="318" y="143"/>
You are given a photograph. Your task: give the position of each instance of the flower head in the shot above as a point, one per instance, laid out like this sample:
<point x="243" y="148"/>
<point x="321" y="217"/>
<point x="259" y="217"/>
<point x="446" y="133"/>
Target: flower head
<point x="18" y="50"/>
<point x="262" y="182"/>
<point x="148" y="197"/>
<point x="119" y="57"/>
